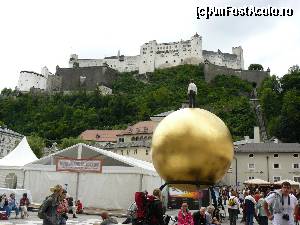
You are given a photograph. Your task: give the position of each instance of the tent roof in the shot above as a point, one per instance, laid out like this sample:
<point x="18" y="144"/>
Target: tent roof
<point x="256" y="181"/>
<point x="20" y="156"/>
<point x="90" y="152"/>
<point x="290" y="181"/>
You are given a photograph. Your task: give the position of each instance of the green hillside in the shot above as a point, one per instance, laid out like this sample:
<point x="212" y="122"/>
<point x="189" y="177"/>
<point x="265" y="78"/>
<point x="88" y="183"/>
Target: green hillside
<point x="58" y="116"/>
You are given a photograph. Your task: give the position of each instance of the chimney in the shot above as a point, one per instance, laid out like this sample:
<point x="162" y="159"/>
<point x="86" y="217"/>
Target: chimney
<point x="256" y="135"/>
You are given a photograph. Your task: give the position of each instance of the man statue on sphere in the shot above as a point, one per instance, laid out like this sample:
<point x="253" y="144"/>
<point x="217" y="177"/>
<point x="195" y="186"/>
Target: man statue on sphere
<point x="192" y="92"/>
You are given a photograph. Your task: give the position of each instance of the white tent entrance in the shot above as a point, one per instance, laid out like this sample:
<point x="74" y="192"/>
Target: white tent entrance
<point x="113" y="188"/>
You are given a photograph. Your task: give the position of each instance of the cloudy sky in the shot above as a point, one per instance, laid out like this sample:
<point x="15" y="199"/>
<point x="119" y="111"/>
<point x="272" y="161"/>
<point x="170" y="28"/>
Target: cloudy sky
<point x="37" y="33"/>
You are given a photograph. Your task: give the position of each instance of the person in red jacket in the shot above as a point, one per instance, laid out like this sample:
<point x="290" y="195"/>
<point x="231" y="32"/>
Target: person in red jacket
<point x="79" y="207"/>
<point x="184" y="216"/>
<point x="24" y="203"/>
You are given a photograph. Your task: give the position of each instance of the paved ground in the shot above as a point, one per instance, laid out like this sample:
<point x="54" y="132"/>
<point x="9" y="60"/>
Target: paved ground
<point x="81" y="220"/>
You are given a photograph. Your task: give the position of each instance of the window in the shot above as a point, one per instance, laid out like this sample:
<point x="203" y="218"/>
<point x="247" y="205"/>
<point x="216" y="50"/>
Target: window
<point x="166" y="61"/>
<point x="251" y="166"/>
<point x="275" y="155"/>
<point x="296" y="165"/>
<point x="251" y="155"/>
<point x="122" y="152"/>
<point x="297" y="179"/>
<point x="147" y="152"/>
<point x="135" y="151"/>
<point x="250" y="178"/>
<point x="275" y="179"/>
<point x="127" y="152"/>
<point x="295" y="155"/>
<point x="276" y="166"/>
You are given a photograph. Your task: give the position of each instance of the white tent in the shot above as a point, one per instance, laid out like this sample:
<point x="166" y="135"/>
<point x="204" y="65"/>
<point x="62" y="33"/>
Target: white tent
<point x="293" y="183"/>
<point x="11" y="166"/>
<point x="113" y="188"/>
<point x="256" y="181"/>
<point x="20" y="156"/>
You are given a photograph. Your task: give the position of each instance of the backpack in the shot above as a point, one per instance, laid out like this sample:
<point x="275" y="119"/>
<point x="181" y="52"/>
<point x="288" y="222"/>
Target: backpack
<point x="41" y="214"/>
<point x="145" y="208"/>
<point x="140" y="200"/>
<point x="3" y="216"/>
<point x="277" y="205"/>
<point x="231" y="202"/>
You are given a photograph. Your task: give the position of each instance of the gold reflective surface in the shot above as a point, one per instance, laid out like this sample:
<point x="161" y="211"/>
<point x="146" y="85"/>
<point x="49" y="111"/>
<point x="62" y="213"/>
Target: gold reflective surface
<point x="192" y="144"/>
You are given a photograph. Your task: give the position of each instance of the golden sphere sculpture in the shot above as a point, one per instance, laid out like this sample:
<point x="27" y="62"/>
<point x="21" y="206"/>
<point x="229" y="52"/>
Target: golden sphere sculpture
<point x="192" y="145"/>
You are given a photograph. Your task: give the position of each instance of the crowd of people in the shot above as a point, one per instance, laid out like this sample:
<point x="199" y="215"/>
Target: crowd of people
<point x="262" y="204"/>
<point x="279" y="206"/>
<point x="9" y="204"/>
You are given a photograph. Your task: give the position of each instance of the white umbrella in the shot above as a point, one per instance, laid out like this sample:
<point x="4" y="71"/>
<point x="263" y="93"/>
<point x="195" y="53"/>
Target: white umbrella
<point x="290" y="181"/>
<point x="256" y="181"/>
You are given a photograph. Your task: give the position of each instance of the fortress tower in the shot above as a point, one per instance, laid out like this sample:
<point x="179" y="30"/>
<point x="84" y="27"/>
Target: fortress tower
<point x="147" y="57"/>
<point x="196" y="46"/>
<point x="239" y="52"/>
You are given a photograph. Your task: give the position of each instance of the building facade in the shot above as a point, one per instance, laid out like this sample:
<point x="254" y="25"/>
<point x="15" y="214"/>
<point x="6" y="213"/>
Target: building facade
<point x="135" y="141"/>
<point x="268" y="161"/>
<point x="162" y="55"/>
<point x="8" y="141"/>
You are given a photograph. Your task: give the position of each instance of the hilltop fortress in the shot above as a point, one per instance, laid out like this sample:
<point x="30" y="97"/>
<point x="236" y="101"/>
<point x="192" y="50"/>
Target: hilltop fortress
<point x="162" y="55"/>
<point x="90" y="74"/>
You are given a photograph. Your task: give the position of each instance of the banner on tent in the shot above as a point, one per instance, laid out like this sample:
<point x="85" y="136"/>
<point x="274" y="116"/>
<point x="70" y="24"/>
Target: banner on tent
<point x="79" y="165"/>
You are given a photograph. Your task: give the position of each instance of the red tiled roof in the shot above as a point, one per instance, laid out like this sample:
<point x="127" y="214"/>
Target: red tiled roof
<point x="100" y="135"/>
<point x="143" y="127"/>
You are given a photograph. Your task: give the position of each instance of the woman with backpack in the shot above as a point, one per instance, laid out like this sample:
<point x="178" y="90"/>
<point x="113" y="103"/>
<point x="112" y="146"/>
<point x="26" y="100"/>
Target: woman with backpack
<point x="233" y="208"/>
<point x="184" y="215"/>
<point x="48" y="209"/>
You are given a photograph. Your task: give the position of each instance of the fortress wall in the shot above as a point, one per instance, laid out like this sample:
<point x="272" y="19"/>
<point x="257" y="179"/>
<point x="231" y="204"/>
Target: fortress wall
<point x="211" y="71"/>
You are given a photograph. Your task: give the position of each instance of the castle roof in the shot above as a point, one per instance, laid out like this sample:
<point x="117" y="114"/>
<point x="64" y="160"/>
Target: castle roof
<point x="111" y="57"/>
<point x="38" y="74"/>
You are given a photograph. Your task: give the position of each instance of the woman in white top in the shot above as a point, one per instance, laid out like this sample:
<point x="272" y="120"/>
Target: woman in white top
<point x="233" y="208"/>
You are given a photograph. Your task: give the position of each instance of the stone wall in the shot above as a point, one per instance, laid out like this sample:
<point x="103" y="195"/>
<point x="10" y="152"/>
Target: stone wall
<point x="211" y="71"/>
<point x="87" y="78"/>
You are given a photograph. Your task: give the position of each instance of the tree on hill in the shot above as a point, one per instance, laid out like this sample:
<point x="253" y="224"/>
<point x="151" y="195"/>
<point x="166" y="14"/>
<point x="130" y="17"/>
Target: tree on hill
<point x="256" y="67"/>
<point x="37" y="144"/>
<point x="280" y="101"/>
<point x="67" y="142"/>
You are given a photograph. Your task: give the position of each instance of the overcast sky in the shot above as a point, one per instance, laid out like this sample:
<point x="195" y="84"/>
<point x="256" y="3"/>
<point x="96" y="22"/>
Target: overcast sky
<point x="37" y="33"/>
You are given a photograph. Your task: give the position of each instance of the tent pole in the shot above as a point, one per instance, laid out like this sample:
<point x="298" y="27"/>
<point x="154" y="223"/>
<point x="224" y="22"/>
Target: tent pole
<point x="141" y="182"/>
<point x="79" y="155"/>
<point x="77" y="186"/>
<point x="24" y="171"/>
